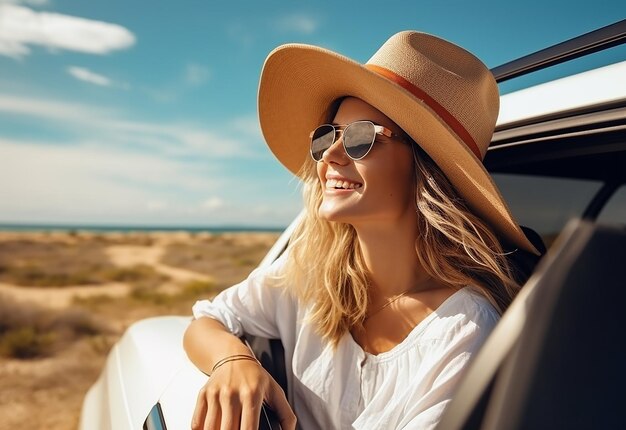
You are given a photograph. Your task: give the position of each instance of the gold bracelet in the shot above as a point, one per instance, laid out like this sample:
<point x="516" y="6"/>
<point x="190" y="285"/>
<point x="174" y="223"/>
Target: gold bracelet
<point x="230" y="358"/>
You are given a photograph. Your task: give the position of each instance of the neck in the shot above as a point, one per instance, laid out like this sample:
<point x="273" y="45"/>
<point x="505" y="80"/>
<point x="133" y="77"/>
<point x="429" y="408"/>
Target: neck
<point x="390" y="257"/>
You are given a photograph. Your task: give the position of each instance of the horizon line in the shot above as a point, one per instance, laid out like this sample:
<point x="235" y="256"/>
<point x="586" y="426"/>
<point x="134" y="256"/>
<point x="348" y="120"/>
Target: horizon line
<point x="16" y="226"/>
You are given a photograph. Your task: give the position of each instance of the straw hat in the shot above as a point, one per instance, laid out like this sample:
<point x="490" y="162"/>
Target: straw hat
<point x="438" y="93"/>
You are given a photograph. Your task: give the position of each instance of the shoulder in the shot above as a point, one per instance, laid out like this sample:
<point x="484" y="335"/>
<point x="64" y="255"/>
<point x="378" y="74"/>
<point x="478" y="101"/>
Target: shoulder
<point x="466" y="313"/>
<point x="474" y="304"/>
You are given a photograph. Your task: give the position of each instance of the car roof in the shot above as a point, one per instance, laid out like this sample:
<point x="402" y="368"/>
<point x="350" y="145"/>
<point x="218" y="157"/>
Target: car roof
<point x="602" y="86"/>
<point x="572" y="127"/>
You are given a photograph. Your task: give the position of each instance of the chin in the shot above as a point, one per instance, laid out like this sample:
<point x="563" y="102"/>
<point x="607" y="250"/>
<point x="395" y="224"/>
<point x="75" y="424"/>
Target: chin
<point x="328" y="216"/>
<point x="337" y="215"/>
<point x="331" y="215"/>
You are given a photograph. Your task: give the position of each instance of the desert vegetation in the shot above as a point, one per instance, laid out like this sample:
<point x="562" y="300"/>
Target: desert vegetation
<point x="65" y="299"/>
<point x="29" y="330"/>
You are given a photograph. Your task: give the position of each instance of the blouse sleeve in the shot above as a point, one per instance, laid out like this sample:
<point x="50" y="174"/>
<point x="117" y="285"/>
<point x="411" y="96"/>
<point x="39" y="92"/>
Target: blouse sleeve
<point x="252" y="306"/>
<point x="444" y="367"/>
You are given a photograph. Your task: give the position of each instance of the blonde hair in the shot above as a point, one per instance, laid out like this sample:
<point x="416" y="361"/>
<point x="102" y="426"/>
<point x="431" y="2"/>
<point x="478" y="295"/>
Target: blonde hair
<point x="326" y="270"/>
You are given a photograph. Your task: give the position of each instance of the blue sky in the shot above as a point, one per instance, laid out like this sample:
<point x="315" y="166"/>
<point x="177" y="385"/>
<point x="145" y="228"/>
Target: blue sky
<point x="144" y="112"/>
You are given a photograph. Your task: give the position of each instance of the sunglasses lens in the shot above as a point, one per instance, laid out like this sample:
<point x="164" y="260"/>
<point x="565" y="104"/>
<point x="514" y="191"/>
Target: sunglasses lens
<point x="322" y="139"/>
<point x="358" y="139"/>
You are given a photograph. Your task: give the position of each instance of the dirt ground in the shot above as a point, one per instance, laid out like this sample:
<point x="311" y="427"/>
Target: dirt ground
<point x="46" y="392"/>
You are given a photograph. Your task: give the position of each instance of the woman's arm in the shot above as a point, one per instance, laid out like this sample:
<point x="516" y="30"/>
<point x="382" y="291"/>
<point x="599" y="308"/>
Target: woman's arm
<point x="207" y="341"/>
<point x="236" y="390"/>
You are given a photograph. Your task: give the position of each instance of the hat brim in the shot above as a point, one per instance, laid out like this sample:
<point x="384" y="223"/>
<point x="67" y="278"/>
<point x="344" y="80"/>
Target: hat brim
<point x="300" y="82"/>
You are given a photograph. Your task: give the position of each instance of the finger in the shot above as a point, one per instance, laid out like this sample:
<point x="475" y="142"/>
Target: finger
<point x="197" y="420"/>
<point x="230" y="407"/>
<point x="213" y="414"/>
<point x="250" y="413"/>
<point x="279" y="404"/>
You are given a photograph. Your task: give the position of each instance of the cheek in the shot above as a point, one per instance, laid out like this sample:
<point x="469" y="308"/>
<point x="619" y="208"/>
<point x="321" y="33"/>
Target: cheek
<point x="396" y="175"/>
<point x="397" y="182"/>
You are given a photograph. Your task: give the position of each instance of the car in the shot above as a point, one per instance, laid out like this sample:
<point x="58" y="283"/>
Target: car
<point x="559" y="157"/>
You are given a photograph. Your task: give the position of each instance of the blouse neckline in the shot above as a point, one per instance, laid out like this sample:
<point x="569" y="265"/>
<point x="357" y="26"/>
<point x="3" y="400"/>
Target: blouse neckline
<point x="407" y="342"/>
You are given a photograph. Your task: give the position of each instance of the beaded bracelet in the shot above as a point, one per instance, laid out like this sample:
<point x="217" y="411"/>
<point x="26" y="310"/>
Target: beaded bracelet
<point x="230" y="358"/>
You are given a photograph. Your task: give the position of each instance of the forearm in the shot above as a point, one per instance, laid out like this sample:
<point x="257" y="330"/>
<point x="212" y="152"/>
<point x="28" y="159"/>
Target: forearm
<point x="207" y="341"/>
<point x="235" y="392"/>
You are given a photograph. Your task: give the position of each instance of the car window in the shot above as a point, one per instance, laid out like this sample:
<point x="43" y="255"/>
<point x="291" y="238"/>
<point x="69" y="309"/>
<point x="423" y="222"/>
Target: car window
<point x="543" y="203"/>
<point x="615" y="210"/>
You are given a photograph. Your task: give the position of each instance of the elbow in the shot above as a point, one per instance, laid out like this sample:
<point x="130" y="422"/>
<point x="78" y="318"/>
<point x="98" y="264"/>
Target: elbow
<point x="198" y="331"/>
<point x="189" y="335"/>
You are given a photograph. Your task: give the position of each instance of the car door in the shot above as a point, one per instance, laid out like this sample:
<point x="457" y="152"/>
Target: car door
<point x="555" y="358"/>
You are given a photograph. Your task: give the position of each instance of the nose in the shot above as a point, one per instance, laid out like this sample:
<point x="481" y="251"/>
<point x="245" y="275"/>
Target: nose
<point x="335" y="154"/>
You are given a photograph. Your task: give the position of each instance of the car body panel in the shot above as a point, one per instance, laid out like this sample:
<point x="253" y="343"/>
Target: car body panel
<point x="139" y="368"/>
<point x="179" y="398"/>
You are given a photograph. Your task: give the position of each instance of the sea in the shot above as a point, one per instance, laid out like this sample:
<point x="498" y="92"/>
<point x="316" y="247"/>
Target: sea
<point x="131" y="229"/>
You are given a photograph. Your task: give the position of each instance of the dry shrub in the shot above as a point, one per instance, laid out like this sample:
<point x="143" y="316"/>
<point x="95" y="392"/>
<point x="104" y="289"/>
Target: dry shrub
<point x="139" y="274"/>
<point x="190" y="291"/>
<point x="146" y="294"/>
<point x="55" y="263"/>
<point x="228" y="258"/>
<point x="77" y="321"/>
<point x="93" y="301"/>
<point x="26" y="342"/>
<point x="60" y="263"/>
<point x="197" y="288"/>
<point x="30" y="331"/>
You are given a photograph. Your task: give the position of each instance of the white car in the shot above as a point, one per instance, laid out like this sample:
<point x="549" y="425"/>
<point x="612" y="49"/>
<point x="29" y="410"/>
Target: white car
<point x="559" y="152"/>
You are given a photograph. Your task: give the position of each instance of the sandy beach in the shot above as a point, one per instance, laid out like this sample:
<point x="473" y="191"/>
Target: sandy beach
<point x="66" y="297"/>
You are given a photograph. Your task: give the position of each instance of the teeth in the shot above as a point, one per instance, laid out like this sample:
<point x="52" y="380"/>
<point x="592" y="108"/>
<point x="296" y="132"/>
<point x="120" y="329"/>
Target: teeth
<point x="334" y="183"/>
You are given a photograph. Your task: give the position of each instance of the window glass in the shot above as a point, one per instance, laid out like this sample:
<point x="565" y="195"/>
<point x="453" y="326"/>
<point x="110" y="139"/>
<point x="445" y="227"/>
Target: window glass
<point x="545" y="204"/>
<point x="615" y="210"/>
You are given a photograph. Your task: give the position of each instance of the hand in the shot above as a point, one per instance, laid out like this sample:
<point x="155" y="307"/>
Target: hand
<point x="232" y="399"/>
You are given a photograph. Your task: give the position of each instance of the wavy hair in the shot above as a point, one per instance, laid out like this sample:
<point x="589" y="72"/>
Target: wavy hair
<point x="327" y="271"/>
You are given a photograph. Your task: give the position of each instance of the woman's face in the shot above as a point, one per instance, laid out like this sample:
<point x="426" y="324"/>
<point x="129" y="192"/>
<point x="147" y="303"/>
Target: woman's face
<point x="376" y="189"/>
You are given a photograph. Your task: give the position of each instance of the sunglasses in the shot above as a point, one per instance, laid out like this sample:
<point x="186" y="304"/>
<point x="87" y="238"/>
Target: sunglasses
<point x="358" y="138"/>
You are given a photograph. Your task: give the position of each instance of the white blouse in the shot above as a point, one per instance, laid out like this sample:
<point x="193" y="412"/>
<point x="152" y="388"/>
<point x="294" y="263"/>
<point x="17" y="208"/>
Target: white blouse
<point x="407" y="387"/>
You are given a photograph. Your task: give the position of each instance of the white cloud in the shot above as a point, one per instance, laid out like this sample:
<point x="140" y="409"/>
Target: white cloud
<point x="248" y="125"/>
<point x="21" y="27"/>
<point x="61" y="111"/>
<point x="75" y="180"/>
<point x="30" y="2"/>
<point x="213" y="203"/>
<point x="161" y="95"/>
<point x="115" y="170"/>
<point x="196" y="74"/>
<point x="173" y="139"/>
<point x="47" y="183"/>
<point x="157" y="205"/>
<point x="281" y="213"/>
<point x="87" y="75"/>
<point x="206" y="141"/>
<point x="192" y="76"/>
<point x="298" y="23"/>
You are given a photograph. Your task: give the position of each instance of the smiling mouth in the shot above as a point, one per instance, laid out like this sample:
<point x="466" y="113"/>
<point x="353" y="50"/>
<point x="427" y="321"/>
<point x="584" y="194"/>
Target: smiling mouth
<point x="335" y="184"/>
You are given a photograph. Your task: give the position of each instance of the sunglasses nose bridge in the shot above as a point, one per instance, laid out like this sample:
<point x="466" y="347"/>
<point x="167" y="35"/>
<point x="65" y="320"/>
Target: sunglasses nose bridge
<point x="336" y="152"/>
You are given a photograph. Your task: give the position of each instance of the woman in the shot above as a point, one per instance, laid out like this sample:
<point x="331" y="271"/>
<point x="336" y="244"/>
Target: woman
<point x="399" y="270"/>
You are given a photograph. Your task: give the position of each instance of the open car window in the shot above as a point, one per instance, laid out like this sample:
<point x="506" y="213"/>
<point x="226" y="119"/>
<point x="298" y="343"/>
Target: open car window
<point x="546" y="203"/>
<point x="615" y="210"/>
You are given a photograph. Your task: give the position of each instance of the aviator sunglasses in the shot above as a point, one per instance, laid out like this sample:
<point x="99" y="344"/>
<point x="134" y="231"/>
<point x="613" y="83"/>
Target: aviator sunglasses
<point x="358" y="138"/>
